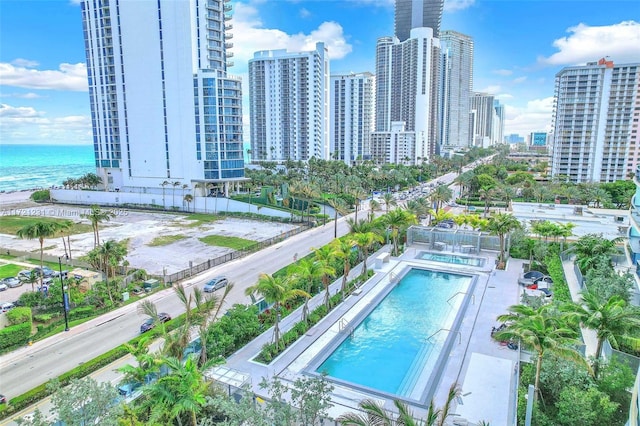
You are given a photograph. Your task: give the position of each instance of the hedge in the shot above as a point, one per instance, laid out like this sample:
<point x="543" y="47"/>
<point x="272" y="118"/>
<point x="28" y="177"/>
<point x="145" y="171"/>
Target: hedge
<point x="15" y="334"/>
<point x="19" y="315"/>
<point x="561" y="291"/>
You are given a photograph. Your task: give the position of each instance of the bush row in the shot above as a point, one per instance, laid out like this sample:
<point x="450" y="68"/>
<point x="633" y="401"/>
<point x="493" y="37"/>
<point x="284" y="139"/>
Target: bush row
<point x="560" y="288"/>
<point x="19" y="315"/>
<point x="15" y="335"/>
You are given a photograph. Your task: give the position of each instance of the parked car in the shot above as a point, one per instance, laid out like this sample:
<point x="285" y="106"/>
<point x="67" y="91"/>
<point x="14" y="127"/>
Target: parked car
<point x="3" y="399"/>
<point x="150" y="323"/>
<point x="24" y="275"/>
<point x="6" y="306"/>
<point x="544" y="280"/>
<point x="128" y="389"/>
<point x="46" y="271"/>
<point x="3" y="286"/>
<point x="137" y="291"/>
<point x="216" y="284"/>
<point x="530" y="277"/>
<point x="12" y="282"/>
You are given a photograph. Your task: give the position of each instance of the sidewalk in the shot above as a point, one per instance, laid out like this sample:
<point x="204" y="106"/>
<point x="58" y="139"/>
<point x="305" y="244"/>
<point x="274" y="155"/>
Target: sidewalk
<point x="588" y="336"/>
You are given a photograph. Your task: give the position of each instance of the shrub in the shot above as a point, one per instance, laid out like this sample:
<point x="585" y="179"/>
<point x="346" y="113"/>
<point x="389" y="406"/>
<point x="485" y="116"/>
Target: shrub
<point x="41" y="196"/>
<point x="560" y="288"/>
<point x="15" y="335"/>
<point x="19" y="315"/>
<point x="42" y="317"/>
<point x="82" y="312"/>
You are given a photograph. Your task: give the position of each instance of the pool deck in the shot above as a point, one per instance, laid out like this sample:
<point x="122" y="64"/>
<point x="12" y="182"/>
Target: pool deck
<point x="484" y="369"/>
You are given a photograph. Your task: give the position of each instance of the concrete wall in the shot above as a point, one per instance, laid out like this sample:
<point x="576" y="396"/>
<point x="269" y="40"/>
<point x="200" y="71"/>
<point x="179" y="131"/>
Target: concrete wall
<point x="131" y="199"/>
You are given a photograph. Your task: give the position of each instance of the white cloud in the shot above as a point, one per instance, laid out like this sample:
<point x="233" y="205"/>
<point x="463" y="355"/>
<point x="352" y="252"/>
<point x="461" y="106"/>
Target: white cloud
<point x="26" y="63"/>
<point x="453" y="5"/>
<point x="26" y="124"/>
<point x="535" y="116"/>
<point x="249" y="36"/>
<point x="520" y="79"/>
<point x="587" y="44"/>
<point x="304" y="13"/>
<point x="504" y="73"/>
<point x="29" y="95"/>
<point x="492" y="90"/>
<point x="67" y="77"/>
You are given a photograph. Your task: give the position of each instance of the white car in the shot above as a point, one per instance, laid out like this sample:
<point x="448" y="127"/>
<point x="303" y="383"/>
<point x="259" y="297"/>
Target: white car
<point x="3" y="286"/>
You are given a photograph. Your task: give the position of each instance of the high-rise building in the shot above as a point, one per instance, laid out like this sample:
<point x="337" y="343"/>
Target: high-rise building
<point x="497" y="133"/>
<point x="412" y="14"/>
<point x="594" y="112"/>
<point x="482" y="119"/>
<point x="163" y="108"/>
<point x="538" y="139"/>
<point x="456" y="86"/>
<point x="352" y="116"/>
<point x="289" y="104"/>
<point x="407" y="90"/>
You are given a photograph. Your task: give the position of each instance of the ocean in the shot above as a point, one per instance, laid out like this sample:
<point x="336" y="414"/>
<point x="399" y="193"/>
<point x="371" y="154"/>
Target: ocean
<point x="43" y="166"/>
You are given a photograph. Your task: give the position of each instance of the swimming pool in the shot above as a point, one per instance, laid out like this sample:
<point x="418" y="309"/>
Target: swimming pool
<point x="451" y="258"/>
<point x="399" y="343"/>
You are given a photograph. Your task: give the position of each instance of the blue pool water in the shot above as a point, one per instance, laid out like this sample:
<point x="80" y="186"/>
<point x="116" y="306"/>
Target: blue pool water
<point x="451" y="258"/>
<point x="391" y="348"/>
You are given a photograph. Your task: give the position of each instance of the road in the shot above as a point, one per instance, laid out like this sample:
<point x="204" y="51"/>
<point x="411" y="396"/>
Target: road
<point x="25" y="368"/>
<point x="28" y="367"/>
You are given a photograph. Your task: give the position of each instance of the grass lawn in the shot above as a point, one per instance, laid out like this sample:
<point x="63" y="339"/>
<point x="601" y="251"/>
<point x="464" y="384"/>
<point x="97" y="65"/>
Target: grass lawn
<point x="11" y="224"/>
<point x="166" y="240"/>
<point x="9" y="270"/>
<point x="223" y="241"/>
<point x="200" y="219"/>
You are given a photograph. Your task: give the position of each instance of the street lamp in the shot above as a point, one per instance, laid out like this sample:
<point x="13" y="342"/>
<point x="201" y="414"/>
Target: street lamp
<point x="65" y="300"/>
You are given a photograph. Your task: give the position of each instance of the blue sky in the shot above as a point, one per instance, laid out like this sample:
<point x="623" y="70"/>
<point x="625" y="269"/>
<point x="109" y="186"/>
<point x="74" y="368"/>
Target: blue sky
<point x="519" y="47"/>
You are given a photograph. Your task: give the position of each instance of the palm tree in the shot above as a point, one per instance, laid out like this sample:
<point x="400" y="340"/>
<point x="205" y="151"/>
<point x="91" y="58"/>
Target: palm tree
<point x="397" y="220"/>
<point x="364" y="241"/>
<point x="32" y="279"/>
<point x="276" y="291"/>
<point x="173" y="193"/>
<point x="373" y="207"/>
<point x="338" y="206"/>
<point x="441" y="195"/>
<point x="611" y="319"/>
<point x="342" y="249"/>
<point x="487" y="195"/>
<point x="207" y="309"/>
<point x="389" y="201"/>
<point x="589" y="248"/>
<point x="183" y="391"/>
<point x="502" y="224"/>
<point x="66" y="226"/>
<point x="163" y="184"/>
<point x="188" y="198"/>
<point x="359" y="194"/>
<point x="375" y="415"/>
<point x="542" y="330"/>
<point x="308" y="271"/>
<point x="325" y="257"/>
<point x="97" y="216"/>
<point x="39" y="231"/>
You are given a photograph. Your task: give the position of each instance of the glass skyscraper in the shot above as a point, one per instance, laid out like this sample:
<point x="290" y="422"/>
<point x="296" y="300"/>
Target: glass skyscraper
<point x="417" y="14"/>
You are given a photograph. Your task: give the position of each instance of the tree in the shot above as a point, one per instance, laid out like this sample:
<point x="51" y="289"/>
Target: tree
<point x="106" y="258"/>
<point x="308" y="271"/>
<point x="364" y="241"/>
<point x="173" y="193"/>
<point x="86" y="402"/>
<point x="441" y="195"/>
<point x="182" y="392"/>
<point x="188" y="198"/>
<point x="339" y="207"/>
<point x="276" y="291"/>
<point x="39" y="231"/>
<point x="389" y="201"/>
<point x="342" y="248"/>
<point x="97" y="216"/>
<point x="375" y="414"/>
<point x="398" y="220"/>
<point x="542" y="330"/>
<point x="325" y="257"/>
<point x="591" y="246"/>
<point x="502" y="224"/>
<point x="163" y="185"/>
<point x="610" y="319"/>
<point x="373" y="207"/>
<point x="358" y="194"/>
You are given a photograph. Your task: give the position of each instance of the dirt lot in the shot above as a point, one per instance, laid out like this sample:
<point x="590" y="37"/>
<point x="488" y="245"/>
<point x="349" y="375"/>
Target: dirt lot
<point x="139" y="228"/>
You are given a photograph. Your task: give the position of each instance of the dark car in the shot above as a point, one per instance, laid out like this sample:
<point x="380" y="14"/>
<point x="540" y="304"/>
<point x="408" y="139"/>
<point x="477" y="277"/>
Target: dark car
<point x="150" y="323"/>
<point x="46" y="271"/>
<point x="530" y="277"/>
<point x="3" y="399"/>
<point x="12" y="282"/>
